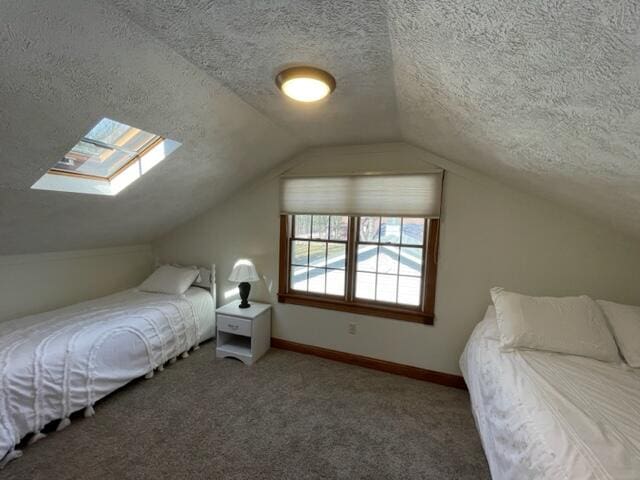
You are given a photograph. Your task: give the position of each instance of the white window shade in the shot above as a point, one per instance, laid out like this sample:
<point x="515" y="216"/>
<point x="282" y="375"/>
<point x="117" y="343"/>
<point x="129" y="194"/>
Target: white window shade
<point x="415" y="195"/>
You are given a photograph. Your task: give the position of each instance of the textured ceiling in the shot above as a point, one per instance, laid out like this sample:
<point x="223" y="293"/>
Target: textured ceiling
<point x="246" y="43"/>
<point x="542" y="95"/>
<point x="65" y="65"/>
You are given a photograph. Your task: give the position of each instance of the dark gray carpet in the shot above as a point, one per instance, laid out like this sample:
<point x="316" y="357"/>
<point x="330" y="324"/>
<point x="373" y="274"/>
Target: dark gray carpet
<point x="290" y="416"/>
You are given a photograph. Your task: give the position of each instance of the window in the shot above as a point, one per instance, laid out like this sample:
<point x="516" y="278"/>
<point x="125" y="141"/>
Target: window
<point x="389" y="259"/>
<point x="107" y="148"/>
<point x="107" y="159"/>
<point x="319" y="254"/>
<point x="361" y="243"/>
<point x="382" y="266"/>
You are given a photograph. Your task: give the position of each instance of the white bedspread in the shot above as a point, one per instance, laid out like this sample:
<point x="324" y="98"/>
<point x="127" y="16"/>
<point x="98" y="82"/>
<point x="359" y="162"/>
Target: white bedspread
<point x="61" y="361"/>
<point x="552" y="416"/>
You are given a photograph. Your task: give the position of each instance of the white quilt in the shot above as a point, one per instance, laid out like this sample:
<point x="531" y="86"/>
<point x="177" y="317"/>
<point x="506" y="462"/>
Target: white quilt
<point x="55" y="363"/>
<point x="544" y="415"/>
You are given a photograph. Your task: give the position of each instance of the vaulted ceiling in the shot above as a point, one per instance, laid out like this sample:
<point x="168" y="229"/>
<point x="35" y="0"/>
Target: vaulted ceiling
<point x="541" y="95"/>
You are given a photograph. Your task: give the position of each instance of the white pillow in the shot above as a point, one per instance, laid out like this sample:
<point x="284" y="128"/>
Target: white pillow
<point x="192" y="267"/>
<point x="625" y="322"/>
<point x="170" y="279"/>
<point x="573" y="325"/>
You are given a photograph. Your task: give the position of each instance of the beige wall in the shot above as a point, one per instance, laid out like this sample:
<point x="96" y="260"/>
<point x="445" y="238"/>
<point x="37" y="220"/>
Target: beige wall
<point x="490" y="235"/>
<point x="41" y="282"/>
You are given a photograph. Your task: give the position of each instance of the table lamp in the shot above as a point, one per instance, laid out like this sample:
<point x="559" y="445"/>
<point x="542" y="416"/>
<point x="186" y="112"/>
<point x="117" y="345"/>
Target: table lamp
<point x="244" y="272"/>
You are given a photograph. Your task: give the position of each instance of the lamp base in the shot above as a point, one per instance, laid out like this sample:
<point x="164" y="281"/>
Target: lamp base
<point x="244" y="288"/>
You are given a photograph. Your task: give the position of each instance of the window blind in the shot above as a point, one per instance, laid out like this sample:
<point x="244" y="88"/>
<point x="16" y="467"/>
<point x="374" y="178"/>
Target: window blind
<point x="415" y="195"/>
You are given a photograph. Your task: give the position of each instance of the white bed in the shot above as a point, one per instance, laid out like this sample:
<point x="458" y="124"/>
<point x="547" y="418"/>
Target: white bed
<point x="543" y="415"/>
<point x="55" y="363"/>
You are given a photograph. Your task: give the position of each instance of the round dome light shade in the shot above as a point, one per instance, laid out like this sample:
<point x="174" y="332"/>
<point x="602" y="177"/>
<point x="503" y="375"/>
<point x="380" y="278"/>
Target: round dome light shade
<point x="305" y="84"/>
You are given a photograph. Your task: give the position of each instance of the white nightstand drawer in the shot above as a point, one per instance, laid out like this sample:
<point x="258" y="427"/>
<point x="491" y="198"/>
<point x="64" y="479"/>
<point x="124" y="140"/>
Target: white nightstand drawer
<point x="239" y="326"/>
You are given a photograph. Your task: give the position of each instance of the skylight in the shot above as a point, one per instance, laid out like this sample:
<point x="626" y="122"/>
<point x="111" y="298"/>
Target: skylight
<point x="106" y="160"/>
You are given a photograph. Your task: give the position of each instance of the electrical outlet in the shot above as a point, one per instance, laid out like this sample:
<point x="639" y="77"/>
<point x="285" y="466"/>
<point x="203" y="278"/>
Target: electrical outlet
<point x="353" y="328"/>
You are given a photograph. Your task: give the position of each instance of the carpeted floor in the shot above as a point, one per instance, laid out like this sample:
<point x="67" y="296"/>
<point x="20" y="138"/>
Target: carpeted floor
<point x="290" y="416"/>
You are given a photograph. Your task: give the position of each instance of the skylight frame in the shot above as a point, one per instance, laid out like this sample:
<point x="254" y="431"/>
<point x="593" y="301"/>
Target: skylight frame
<point x="151" y="143"/>
<point x="140" y="150"/>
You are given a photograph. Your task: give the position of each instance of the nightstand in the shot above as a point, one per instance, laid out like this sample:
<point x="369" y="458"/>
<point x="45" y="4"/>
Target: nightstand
<point x="243" y="333"/>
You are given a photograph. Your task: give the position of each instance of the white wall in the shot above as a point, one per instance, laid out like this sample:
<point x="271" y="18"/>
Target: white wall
<point x="44" y="281"/>
<point x="490" y="235"/>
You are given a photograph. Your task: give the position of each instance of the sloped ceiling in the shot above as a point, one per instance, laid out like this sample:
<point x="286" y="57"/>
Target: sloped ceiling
<point x="542" y="95"/>
<point x="245" y="44"/>
<point x="65" y="65"/>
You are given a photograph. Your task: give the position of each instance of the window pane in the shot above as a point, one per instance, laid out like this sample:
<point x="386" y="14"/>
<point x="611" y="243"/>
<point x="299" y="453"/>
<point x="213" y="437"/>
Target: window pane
<point x="339" y="228"/>
<point x="90" y="150"/>
<point x="386" y="288"/>
<point x="317" y="254"/>
<point x="366" y="285"/>
<point x="369" y="229"/>
<point x="336" y="255"/>
<point x="409" y="290"/>
<point x="411" y="261"/>
<point x="105" y="165"/>
<point x="120" y="135"/>
<point x="412" y="231"/>
<point x="110" y="131"/>
<point x="335" y="282"/>
<point x="390" y="230"/>
<point x="93" y="160"/>
<point x="317" y="280"/>
<point x="300" y="252"/>
<point x="320" y="227"/>
<point x="388" y="259"/>
<point x="299" y="278"/>
<point x="81" y="153"/>
<point x="303" y="226"/>
<point x="367" y="258"/>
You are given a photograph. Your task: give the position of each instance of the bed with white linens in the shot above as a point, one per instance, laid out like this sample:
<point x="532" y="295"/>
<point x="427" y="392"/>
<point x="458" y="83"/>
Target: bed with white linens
<point x="550" y="415"/>
<point x="62" y="361"/>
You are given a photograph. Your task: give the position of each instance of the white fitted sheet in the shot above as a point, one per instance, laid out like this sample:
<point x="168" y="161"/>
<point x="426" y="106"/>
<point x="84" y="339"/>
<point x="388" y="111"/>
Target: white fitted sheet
<point x="543" y="415"/>
<point x="57" y="362"/>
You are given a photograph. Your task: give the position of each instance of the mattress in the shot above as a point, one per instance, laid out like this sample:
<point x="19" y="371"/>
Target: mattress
<point x="65" y="360"/>
<point x="543" y="415"/>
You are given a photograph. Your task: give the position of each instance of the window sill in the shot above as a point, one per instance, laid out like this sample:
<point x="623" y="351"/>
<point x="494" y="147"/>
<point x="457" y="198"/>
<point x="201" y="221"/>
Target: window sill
<point x="357" y="308"/>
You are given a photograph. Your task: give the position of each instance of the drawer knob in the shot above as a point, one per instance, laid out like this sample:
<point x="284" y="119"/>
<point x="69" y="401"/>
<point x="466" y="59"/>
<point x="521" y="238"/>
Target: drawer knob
<point x="233" y="327"/>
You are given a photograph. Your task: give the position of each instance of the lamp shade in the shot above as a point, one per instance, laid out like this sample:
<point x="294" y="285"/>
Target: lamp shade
<point x="244" y="271"/>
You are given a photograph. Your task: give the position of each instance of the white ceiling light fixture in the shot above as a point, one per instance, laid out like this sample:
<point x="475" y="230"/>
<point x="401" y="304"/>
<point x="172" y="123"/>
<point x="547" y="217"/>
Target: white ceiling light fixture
<point x="305" y="84"/>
